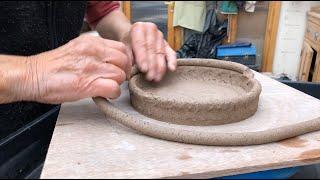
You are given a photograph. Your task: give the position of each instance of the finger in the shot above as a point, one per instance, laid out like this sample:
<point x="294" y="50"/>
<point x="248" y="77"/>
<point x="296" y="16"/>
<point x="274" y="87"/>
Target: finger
<point x="152" y="65"/>
<point x="106" y="88"/>
<point x="161" y="69"/>
<point x="117" y="58"/>
<point x="130" y="64"/>
<point x="114" y="44"/>
<point x="110" y="71"/>
<point x="139" y="49"/>
<point x="114" y="52"/>
<point x="171" y="57"/>
<point x="152" y="50"/>
<point x="93" y="45"/>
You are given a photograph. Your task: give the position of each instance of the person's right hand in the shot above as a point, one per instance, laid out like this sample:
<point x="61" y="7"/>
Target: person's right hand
<point x="87" y="66"/>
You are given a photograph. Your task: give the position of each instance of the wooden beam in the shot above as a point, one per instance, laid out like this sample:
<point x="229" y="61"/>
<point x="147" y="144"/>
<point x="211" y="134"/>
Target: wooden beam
<point x="178" y="38"/>
<point x="174" y="34"/>
<point x="126" y="8"/>
<point x="271" y="35"/>
<point x="232" y="27"/>
<point x="170" y="28"/>
<point x="306" y="60"/>
<point x="316" y="74"/>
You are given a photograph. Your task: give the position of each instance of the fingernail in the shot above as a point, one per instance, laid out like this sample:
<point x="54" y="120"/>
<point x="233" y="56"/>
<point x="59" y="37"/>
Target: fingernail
<point x="144" y="67"/>
<point x="158" y="78"/>
<point x="172" y="67"/>
<point x="149" y="76"/>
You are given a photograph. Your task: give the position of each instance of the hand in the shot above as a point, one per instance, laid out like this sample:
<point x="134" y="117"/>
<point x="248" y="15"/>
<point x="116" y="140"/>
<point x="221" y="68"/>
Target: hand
<point x="151" y="52"/>
<point x="87" y="66"/>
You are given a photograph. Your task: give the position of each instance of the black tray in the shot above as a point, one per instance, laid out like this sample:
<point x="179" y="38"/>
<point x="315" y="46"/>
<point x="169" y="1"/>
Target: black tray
<point x="23" y="152"/>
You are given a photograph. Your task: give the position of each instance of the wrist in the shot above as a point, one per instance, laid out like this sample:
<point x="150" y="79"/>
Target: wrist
<point x="24" y="79"/>
<point x="15" y="78"/>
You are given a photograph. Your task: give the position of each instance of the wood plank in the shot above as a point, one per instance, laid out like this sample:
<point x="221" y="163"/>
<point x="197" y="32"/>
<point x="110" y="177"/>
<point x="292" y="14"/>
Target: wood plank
<point x="315" y="8"/>
<point x="174" y="34"/>
<point x="316" y="75"/>
<point x="126" y="8"/>
<point x="178" y="37"/>
<point x="312" y="33"/>
<point x="271" y="35"/>
<point x="232" y="27"/>
<point x="306" y="60"/>
<point x="312" y="43"/>
<point x="86" y="144"/>
<point x="170" y="28"/>
<point x="314" y="17"/>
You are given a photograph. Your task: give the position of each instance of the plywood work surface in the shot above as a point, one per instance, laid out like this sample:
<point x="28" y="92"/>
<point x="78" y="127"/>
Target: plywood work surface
<point x="86" y="144"/>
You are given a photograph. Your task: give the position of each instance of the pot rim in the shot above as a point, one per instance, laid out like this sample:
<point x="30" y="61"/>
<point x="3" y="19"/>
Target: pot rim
<point x="236" y="67"/>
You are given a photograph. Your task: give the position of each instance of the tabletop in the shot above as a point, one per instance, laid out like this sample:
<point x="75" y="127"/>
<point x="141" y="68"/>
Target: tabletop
<point x="86" y="144"/>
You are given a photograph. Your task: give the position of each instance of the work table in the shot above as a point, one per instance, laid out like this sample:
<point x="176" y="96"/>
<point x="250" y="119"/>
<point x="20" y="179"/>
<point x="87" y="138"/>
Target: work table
<point x="86" y="144"/>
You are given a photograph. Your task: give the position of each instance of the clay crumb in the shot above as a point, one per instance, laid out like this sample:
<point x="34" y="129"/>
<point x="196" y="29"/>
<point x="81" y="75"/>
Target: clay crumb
<point x="293" y="142"/>
<point x="310" y="155"/>
<point x="184" y="173"/>
<point x="184" y="157"/>
<point x="64" y="124"/>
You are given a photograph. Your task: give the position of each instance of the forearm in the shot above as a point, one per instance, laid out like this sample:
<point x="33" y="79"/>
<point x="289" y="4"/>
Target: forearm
<point x="114" y="26"/>
<point x="14" y="74"/>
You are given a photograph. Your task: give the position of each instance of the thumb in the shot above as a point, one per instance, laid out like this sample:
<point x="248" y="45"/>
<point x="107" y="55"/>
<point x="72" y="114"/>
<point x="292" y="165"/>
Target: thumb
<point x="106" y="88"/>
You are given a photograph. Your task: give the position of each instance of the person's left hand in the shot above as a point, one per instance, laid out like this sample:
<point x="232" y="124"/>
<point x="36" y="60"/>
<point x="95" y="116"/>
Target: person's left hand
<point x="149" y="50"/>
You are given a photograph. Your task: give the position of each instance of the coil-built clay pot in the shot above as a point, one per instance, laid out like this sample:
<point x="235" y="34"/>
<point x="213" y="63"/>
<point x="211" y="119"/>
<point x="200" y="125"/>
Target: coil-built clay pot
<point x="183" y="106"/>
<point x="200" y="93"/>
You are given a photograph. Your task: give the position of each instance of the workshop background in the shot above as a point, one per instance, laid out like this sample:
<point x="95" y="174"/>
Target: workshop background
<point x="278" y="39"/>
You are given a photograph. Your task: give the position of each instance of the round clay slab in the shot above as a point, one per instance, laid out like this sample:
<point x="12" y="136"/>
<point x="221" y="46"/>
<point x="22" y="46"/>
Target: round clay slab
<point x="201" y="92"/>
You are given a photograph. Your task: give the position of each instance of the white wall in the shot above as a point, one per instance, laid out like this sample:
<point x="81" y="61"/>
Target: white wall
<point x="290" y="36"/>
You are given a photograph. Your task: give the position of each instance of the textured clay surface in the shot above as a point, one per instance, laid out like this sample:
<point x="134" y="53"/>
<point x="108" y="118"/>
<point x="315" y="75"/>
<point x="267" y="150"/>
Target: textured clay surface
<point x="206" y="92"/>
<point x="282" y="113"/>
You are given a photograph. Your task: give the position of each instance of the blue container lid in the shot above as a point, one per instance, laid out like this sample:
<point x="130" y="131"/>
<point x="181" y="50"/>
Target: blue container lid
<point x="269" y="174"/>
<point x="236" y="51"/>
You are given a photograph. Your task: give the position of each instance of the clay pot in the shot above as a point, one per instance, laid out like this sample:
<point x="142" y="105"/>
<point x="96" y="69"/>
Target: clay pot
<point x="177" y="110"/>
<point x="200" y="93"/>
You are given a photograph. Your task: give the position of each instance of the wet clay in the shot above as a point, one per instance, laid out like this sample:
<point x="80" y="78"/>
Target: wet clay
<point x="202" y="93"/>
<point x="266" y="126"/>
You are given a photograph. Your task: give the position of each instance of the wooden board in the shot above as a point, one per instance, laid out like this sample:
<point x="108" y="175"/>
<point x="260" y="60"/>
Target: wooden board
<point x="271" y="35"/>
<point x="175" y="34"/>
<point x="85" y="144"/>
<point x="232" y="27"/>
<point x="170" y="33"/>
<point x="312" y="33"/>
<point x="316" y="75"/>
<point x="178" y="38"/>
<point x="306" y="60"/>
<point x="126" y="8"/>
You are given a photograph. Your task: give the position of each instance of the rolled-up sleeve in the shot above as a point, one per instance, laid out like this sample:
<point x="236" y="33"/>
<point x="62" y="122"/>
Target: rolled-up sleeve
<point x="96" y="10"/>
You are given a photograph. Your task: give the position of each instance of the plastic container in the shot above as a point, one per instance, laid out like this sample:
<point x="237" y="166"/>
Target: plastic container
<point x="24" y="151"/>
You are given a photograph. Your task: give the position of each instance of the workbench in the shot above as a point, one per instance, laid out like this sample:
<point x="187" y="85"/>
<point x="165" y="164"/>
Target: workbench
<point x="86" y="144"/>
